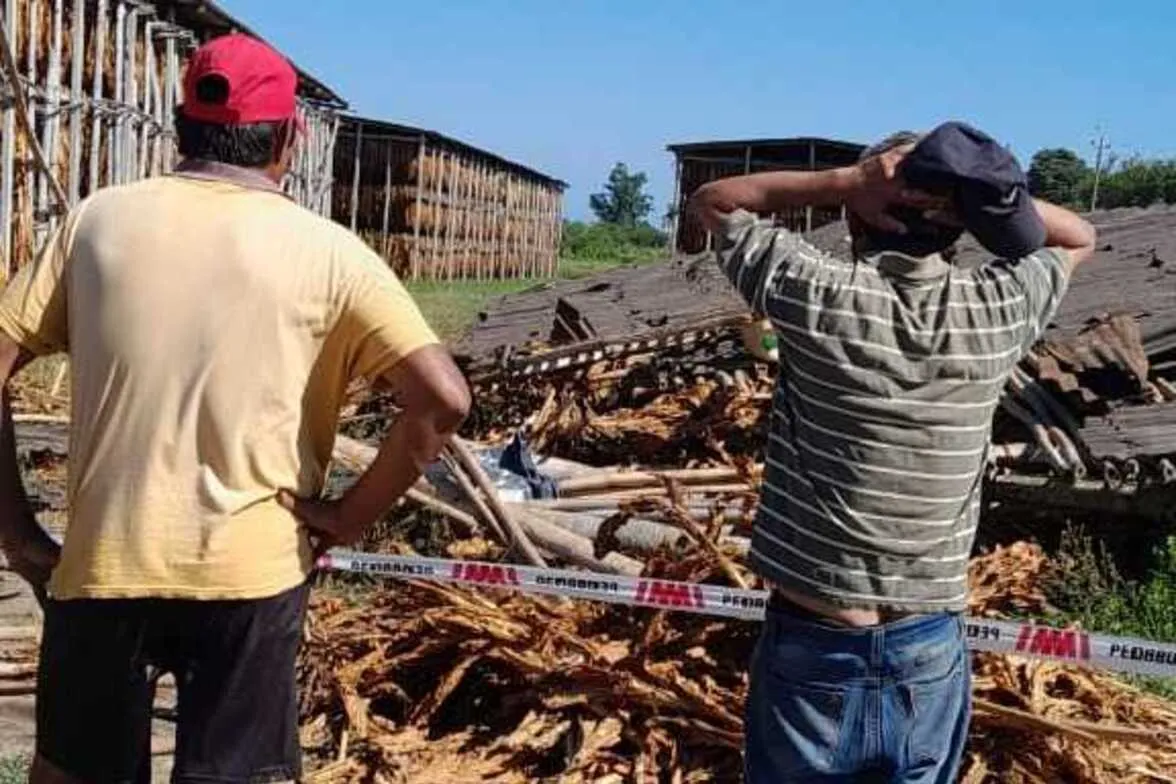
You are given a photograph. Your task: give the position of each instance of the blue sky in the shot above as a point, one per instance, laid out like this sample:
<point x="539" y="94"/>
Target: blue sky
<point x="572" y="86"/>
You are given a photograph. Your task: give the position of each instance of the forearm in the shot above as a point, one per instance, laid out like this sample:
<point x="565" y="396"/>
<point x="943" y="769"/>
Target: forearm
<point x="1063" y="228"/>
<point x="768" y="192"/>
<point x="17" y="521"/>
<point x="411" y="444"/>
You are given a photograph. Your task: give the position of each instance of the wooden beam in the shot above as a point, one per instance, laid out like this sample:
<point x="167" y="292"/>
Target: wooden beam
<point x="387" y="201"/>
<point x="355" y="175"/>
<point x="414" y="257"/>
<point x="96" y="94"/>
<point x="8" y="150"/>
<point x="76" y="115"/>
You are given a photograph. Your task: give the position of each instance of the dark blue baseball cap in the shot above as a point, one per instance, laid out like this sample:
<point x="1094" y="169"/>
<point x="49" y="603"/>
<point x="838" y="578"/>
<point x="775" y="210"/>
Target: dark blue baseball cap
<point x="989" y="190"/>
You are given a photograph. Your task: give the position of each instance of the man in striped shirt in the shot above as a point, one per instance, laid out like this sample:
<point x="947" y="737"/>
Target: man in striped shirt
<point x="891" y="365"/>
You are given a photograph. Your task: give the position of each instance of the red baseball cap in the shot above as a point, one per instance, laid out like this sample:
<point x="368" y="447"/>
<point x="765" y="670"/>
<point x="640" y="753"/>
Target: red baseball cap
<point x="262" y="85"/>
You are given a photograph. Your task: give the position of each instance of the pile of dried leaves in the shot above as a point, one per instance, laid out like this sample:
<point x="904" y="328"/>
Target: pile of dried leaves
<point x="427" y="683"/>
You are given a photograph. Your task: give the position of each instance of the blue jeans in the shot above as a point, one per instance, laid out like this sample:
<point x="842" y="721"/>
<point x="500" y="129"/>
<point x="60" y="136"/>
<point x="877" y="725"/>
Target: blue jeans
<point x="884" y="704"/>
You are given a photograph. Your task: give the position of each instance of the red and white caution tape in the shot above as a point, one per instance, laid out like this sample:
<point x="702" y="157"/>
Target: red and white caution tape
<point x="1074" y="646"/>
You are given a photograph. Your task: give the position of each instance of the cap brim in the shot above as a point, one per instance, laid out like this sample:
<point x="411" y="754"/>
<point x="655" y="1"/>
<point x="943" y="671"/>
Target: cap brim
<point x="1010" y="231"/>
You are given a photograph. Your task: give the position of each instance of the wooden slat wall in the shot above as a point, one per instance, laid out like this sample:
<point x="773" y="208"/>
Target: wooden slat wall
<point x="440" y="212"/>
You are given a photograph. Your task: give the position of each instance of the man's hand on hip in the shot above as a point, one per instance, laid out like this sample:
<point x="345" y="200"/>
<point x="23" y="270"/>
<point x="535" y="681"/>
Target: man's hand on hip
<point x="33" y="555"/>
<point x="324" y="521"/>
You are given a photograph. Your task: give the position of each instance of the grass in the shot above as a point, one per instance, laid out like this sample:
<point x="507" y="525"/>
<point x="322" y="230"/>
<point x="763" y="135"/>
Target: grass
<point x="15" y="769"/>
<point x="452" y="306"/>
<point x="1089" y="590"/>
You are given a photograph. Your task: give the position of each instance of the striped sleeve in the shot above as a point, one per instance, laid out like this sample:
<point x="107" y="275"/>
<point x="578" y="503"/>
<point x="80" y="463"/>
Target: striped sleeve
<point x="753" y="253"/>
<point x="1044" y="277"/>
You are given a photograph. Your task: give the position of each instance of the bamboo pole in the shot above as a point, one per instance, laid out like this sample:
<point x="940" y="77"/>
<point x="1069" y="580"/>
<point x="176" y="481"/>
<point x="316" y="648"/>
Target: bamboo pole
<point x="113" y="147"/>
<point x="44" y="219"/>
<point x="387" y="201"/>
<point x="451" y="213"/>
<point x="355" y="173"/>
<point x="24" y="119"/>
<point x="484" y="197"/>
<point x="8" y="148"/>
<point x="622" y="480"/>
<point x="465" y="458"/>
<point x="434" y="249"/>
<point x="77" y="115"/>
<point x="170" y="75"/>
<point x="96" y="94"/>
<point x="414" y="254"/>
<point x="130" y="98"/>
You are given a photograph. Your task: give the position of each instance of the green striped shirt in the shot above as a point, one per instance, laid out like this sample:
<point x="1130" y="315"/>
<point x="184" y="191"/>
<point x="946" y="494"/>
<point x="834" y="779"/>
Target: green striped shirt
<point x="890" y="370"/>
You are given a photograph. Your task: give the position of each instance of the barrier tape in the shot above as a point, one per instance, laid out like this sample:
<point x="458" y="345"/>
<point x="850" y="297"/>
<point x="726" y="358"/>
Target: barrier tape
<point x="1074" y="646"/>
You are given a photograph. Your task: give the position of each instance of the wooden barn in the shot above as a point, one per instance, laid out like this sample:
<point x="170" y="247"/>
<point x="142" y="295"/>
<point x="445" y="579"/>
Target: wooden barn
<point x="439" y="209"/>
<point x="88" y="91"/>
<point x="701" y="162"/>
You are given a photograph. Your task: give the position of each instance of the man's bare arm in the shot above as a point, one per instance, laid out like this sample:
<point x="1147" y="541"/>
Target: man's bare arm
<point x="433" y="399"/>
<point x="1067" y="231"/>
<point x="31" y="552"/>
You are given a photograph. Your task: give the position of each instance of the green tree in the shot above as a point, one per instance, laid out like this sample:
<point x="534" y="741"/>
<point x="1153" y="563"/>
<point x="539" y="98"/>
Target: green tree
<point x="1057" y="175"/>
<point x="624" y="201"/>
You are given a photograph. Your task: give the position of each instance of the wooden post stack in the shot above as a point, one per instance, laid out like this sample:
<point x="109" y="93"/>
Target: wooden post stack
<point x="438" y="209"/>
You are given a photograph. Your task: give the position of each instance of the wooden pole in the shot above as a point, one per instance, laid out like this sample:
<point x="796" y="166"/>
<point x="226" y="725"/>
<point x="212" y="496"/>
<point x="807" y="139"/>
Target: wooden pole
<point x="96" y="90"/>
<point x="114" y="146"/>
<point x="8" y="147"/>
<point x="76" y="116"/>
<point x="170" y="75"/>
<point x="454" y="171"/>
<point x="355" y="172"/>
<point x="130" y="99"/>
<point x="465" y="458"/>
<point x="435" y="249"/>
<point x="677" y="201"/>
<point x="414" y="254"/>
<point x="24" y="119"/>
<point x="387" y="200"/>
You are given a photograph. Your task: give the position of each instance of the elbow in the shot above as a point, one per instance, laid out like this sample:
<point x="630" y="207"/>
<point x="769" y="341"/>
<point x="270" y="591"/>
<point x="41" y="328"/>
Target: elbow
<point x="703" y="205"/>
<point x="451" y="404"/>
<point x="1089" y="234"/>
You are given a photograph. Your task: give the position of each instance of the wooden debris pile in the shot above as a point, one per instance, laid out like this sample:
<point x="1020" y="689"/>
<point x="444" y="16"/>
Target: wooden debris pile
<point x="430" y="683"/>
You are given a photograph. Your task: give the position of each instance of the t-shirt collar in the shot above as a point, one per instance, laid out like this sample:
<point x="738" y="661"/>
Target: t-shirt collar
<point x="892" y="263"/>
<point x="197" y="169"/>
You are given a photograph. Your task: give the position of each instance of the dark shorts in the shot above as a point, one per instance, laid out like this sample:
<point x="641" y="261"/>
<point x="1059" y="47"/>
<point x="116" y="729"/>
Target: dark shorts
<point x="233" y="663"/>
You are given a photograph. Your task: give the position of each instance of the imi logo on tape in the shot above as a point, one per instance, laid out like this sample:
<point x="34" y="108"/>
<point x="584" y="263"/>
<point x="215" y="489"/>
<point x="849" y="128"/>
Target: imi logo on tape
<point x="654" y="593"/>
<point x="485" y="574"/>
<point x="1055" y="643"/>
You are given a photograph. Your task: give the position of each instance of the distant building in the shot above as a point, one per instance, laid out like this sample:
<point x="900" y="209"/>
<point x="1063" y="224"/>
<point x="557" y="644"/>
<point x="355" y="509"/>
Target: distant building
<point x="701" y="162"/>
<point x="439" y="209"/>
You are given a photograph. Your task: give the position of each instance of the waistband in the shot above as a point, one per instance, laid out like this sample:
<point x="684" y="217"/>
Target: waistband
<point x="816" y="627"/>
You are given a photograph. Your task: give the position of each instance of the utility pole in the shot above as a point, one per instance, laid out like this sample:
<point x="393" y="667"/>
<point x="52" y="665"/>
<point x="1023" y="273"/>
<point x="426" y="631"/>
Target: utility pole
<point x="1101" y="146"/>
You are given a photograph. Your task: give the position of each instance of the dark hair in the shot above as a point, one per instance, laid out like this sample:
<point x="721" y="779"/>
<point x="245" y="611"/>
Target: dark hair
<point x="924" y="237"/>
<point x="252" y="146"/>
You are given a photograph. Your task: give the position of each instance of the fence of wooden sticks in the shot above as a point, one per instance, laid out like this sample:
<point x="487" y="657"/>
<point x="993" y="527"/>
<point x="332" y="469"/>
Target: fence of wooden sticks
<point x="88" y="94"/>
<point x="438" y="209"/>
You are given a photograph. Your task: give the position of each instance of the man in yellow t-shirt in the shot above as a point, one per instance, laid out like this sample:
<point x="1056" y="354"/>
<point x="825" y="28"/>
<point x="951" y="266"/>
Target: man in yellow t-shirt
<point x="213" y="327"/>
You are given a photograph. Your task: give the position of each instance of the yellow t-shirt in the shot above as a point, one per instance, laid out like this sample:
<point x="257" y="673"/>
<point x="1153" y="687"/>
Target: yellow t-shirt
<point x="212" y="331"/>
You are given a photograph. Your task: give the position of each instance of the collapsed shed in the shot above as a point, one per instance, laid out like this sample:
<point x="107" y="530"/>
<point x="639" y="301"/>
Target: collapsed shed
<point x="439" y="209"/>
<point x="698" y="163"/>
<point x="90" y="86"/>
